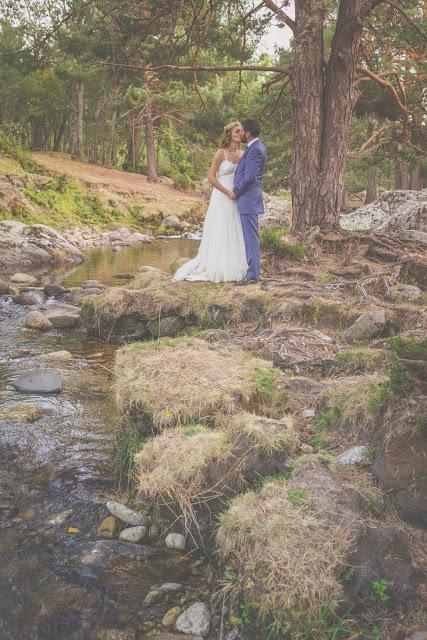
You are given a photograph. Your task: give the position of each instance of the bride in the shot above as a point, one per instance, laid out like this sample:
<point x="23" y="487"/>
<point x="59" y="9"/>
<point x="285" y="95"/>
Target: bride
<point x="222" y="255"/>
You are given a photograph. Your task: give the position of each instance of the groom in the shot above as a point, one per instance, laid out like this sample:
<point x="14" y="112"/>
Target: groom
<point x="248" y="192"/>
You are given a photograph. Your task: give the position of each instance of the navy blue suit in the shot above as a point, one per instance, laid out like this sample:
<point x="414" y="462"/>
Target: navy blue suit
<point x="248" y="190"/>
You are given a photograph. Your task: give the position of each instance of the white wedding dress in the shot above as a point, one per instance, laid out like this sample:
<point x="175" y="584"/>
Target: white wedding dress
<point x="222" y="255"/>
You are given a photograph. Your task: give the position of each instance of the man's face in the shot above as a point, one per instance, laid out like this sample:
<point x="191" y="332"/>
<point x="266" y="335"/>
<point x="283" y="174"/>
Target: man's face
<point x="245" y="135"/>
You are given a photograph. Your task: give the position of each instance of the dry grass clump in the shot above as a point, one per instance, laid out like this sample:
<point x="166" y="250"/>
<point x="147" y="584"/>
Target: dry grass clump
<point x="267" y="435"/>
<point x="172" y="382"/>
<point x="189" y="467"/>
<point x="286" y="559"/>
<point x="178" y="467"/>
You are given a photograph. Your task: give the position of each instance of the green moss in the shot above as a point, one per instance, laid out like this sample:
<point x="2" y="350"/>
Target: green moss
<point x="360" y="359"/>
<point x="408" y="362"/>
<point x="272" y="239"/>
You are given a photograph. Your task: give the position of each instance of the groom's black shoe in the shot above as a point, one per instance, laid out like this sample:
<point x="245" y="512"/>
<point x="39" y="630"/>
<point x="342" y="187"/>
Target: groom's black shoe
<point x="246" y="281"/>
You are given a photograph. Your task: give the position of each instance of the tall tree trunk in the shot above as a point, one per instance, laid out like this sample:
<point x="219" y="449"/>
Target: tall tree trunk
<point x="307" y="101"/>
<point x="371" y="174"/>
<point x="404" y="175"/>
<point x="415" y="180"/>
<point x="59" y="134"/>
<point x="36" y="133"/>
<point x="76" y="119"/>
<point x="149" y="141"/>
<point x="321" y="140"/>
<point x="111" y="154"/>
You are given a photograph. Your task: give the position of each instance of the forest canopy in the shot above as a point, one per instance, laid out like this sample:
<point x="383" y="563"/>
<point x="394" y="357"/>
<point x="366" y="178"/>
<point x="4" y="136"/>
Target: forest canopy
<point x="147" y="86"/>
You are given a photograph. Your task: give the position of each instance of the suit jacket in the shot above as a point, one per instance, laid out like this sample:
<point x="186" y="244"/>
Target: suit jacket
<point x="247" y="179"/>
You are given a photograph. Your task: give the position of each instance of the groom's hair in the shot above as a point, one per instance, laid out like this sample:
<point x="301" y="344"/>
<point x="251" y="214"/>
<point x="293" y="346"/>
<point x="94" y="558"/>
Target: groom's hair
<point x="252" y="126"/>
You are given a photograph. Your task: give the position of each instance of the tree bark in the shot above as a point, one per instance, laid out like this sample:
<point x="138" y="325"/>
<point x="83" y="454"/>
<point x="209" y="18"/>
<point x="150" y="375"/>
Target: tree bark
<point x="36" y="133"/>
<point x="149" y="142"/>
<point x="59" y="134"/>
<point x="76" y="118"/>
<point x="371" y="174"/>
<point x="322" y="116"/>
<point x="111" y="154"/>
<point x="307" y="101"/>
<point x="415" y="178"/>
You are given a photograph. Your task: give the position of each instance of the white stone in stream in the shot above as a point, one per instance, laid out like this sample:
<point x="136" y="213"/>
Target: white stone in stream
<point x="141" y="237"/>
<point x="23" y="278"/>
<point x="133" y="534"/>
<point x="38" y="381"/>
<point x="353" y="455"/>
<point x="170" y="587"/>
<point x="57" y="356"/>
<point x="195" y="620"/>
<point x="175" y="541"/>
<point x="127" y="515"/>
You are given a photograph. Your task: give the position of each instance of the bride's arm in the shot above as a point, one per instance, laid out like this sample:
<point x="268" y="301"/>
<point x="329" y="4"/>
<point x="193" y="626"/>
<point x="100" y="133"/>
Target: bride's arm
<point x="218" y="158"/>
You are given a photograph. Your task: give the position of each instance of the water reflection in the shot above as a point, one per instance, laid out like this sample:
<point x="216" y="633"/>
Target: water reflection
<point x="104" y="265"/>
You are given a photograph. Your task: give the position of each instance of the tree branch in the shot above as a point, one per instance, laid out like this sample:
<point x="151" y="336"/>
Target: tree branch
<point x="191" y="69"/>
<point x="407" y="18"/>
<point x="280" y="14"/>
<point x="374" y="137"/>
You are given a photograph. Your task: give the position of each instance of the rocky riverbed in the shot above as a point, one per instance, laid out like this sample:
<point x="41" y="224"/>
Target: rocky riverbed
<point x="291" y="412"/>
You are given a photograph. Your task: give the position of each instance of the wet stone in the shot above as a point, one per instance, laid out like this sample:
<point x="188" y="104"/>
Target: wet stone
<point x="171" y="616"/>
<point x="21" y="413"/>
<point x="133" y="534"/>
<point x="28" y="298"/>
<point x="127" y="515"/>
<point x="195" y="620"/>
<point x="109" y="527"/>
<point x="39" y="381"/>
<point x="23" y="278"/>
<point x="36" y="320"/>
<point x="175" y="541"/>
<point x="57" y="356"/>
<point x="53" y="290"/>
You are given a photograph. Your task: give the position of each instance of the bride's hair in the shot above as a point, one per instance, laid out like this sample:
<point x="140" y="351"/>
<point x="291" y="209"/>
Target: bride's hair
<point x="226" y="134"/>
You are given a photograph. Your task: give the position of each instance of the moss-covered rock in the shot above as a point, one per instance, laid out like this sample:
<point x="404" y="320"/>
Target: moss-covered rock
<point x="155" y="306"/>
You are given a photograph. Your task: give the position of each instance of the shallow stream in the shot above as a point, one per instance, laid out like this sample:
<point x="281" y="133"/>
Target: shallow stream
<point x="58" y="579"/>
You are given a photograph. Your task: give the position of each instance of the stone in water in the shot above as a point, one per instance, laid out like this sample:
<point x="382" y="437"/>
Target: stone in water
<point x="127" y="515"/>
<point x="38" y="381"/>
<point x="175" y="541"/>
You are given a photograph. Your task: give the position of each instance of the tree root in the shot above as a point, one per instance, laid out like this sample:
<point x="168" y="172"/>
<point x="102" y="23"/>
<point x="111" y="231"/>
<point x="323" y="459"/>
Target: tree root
<point x="387" y="280"/>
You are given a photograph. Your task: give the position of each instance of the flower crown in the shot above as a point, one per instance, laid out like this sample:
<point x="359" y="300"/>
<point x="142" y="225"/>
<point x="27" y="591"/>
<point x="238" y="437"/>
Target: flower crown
<point x="231" y="125"/>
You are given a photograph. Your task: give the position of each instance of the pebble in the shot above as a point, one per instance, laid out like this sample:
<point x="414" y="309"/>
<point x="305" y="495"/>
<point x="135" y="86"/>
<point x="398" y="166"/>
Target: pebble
<point x="57" y="356"/>
<point x="171" y="616"/>
<point x="109" y="527"/>
<point x="127" y="515"/>
<point x="308" y="413"/>
<point x="36" y="320"/>
<point x="195" y="620"/>
<point x="38" y="381"/>
<point x="133" y="534"/>
<point x="175" y="541"/>
<point x="23" y="278"/>
<point x="353" y="455"/>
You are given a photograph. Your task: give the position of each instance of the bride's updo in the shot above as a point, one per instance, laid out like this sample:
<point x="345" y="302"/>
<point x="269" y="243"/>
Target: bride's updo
<point x="226" y="134"/>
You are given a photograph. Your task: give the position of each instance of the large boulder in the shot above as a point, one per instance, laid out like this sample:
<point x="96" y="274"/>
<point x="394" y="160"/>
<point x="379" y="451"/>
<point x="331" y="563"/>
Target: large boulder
<point x="29" y="245"/>
<point x="394" y="211"/>
<point x="369" y="324"/>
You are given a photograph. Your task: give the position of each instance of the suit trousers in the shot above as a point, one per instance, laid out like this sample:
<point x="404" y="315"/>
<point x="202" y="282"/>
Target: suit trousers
<point x="252" y="244"/>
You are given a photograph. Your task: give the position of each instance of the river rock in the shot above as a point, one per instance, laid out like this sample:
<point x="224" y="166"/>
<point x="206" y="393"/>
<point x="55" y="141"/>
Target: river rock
<point x="369" y="324"/>
<point x="195" y="620"/>
<point x="57" y="356"/>
<point x="24" y="245"/>
<point x="23" y="278"/>
<point x="77" y="294"/>
<point x="109" y="527"/>
<point x="62" y="316"/>
<point x="54" y="290"/>
<point x="142" y="237"/>
<point x="28" y="298"/>
<point x="171" y="222"/>
<point x="175" y="541"/>
<point x="393" y="211"/>
<point x="38" y="381"/>
<point x="133" y="534"/>
<point x="127" y="515"/>
<point x="4" y="287"/>
<point x="36" y="320"/>
<point x="171" y="616"/>
<point x="353" y="455"/>
<point x="92" y="284"/>
<point x="21" y="413"/>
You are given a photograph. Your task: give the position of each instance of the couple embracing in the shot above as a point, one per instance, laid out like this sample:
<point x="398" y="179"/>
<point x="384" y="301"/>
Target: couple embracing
<point x="230" y="247"/>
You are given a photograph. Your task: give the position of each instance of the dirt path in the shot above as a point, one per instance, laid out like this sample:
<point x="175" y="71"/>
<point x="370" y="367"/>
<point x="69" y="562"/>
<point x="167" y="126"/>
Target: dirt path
<point x="120" y="186"/>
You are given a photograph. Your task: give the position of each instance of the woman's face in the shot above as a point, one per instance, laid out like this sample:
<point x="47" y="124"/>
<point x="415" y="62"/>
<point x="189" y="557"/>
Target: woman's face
<point x="236" y="134"/>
